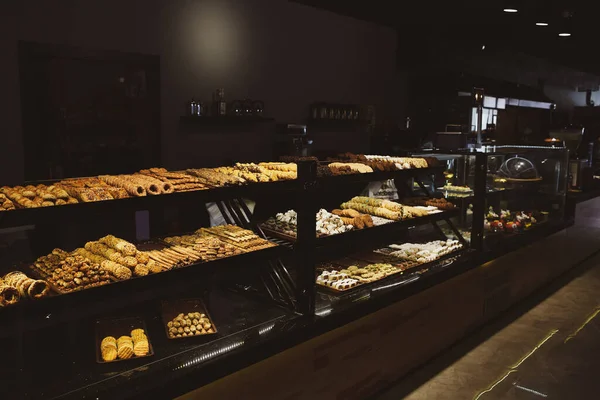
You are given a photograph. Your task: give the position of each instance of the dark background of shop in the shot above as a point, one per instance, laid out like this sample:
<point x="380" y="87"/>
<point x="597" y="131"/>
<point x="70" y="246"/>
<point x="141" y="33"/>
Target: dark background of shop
<point x="290" y="55"/>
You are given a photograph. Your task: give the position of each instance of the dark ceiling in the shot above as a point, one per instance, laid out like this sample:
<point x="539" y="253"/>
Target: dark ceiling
<point x="476" y="23"/>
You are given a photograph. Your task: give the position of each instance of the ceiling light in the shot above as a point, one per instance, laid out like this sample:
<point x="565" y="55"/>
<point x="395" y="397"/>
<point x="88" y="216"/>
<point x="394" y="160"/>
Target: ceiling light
<point x="483" y="47"/>
<point x="564" y="34"/>
<point x="541" y="24"/>
<point x="510" y="10"/>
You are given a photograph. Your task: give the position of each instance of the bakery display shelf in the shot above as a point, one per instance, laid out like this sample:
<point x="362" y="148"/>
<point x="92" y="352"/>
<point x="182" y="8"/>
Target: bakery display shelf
<point x="99" y="209"/>
<point x="383" y="232"/>
<point x="277" y="234"/>
<point x="405" y="275"/>
<point x="335" y="307"/>
<point x="368" y="233"/>
<point x="330" y="182"/>
<point x="69" y="370"/>
<point x="172" y="308"/>
<point x="116" y="328"/>
<point x="27" y="315"/>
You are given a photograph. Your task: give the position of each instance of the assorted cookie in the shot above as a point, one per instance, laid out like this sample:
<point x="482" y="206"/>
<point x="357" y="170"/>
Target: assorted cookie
<point x="424" y="252"/>
<point x="125" y="347"/>
<point x="190" y="324"/>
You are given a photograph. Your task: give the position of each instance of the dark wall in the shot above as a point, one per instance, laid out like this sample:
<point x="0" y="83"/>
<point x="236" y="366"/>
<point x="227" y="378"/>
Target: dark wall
<point x="283" y="53"/>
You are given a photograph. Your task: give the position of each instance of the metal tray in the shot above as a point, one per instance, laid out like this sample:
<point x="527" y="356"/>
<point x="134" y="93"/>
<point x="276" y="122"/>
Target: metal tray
<point x="116" y="328"/>
<point x="172" y="308"/>
<point x="278" y="234"/>
<point x="343" y="265"/>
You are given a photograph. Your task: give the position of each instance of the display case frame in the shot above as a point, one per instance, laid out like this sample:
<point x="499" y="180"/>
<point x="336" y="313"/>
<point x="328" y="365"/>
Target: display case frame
<point x="304" y="319"/>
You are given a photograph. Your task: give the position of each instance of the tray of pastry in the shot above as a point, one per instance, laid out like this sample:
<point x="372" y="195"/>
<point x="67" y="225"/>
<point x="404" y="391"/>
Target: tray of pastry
<point x="186" y="318"/>
<point x="288" y="234"/>
<point x="282" y="230"/>
<point x="244" y="239"/>
<point x="340" y="278"/>
<point x="122" y="339"/>
<point x="66" y="274"/>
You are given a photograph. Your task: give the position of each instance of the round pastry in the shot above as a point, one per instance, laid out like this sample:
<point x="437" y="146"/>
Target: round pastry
<point x="130" y="261"/>
<point x="137" y="331"/>
<point x="38" y="289"/>
<point x="109" y="354"/>
<point x="8" y="295"/>
<point x="141" y="270"/>
<point x="153" y="267"/>
<point x="141" y="348"/>
<point x="108" y="341"/>
<point x="142" y="257"/>
<point x="125" y="350"/>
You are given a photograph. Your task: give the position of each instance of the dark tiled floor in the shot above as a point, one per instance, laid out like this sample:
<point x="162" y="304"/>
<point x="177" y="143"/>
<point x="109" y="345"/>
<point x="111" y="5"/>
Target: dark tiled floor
<point x="547" y="347"/>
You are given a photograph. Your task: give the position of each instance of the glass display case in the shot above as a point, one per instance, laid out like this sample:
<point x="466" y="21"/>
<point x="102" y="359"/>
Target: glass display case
<point x="410" y="238"/>
<point x="526" y="188"/>
<point x="143" y="293"/>
<point x="509" y="193"/>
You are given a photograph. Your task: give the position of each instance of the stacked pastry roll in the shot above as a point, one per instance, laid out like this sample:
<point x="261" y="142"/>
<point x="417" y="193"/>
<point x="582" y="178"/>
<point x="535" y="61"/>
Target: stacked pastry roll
<point x="385" y="208"/>
<point x="117" y="270"/>
<point x="372" y="210"/>
<point x="124" y="181"/>
<point x="27" y="287"/>
<point x="354" y="218"/>
<point x="119" y="257"/>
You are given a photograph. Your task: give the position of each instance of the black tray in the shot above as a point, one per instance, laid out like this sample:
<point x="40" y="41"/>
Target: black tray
<point x="172" y="308"/>
<point x="117" y="328"/>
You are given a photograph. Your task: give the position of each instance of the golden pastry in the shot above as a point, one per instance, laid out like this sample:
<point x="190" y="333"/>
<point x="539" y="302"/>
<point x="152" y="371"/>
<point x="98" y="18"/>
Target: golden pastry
<point x="140" y="348"/>
<point x="141" y="270"/>
<point x="125" y="350"/>
<point x="108" y="341"/>
<point x="109" y="353"/>
<point x="137" y="332"/>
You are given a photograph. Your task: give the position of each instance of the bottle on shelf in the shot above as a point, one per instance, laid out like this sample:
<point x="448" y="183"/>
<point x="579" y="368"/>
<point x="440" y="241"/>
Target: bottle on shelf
<point x="219" y="103"/>
<point x="247" y="107"/>
<point x="236" y="108"/>
<point x="192" y="108"/>
<point x="258" y="108"/>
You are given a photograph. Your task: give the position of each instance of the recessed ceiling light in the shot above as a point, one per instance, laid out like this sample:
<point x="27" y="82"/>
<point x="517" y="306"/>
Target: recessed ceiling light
<point x="564" y="34"/>
<point x="511" y="10"/>
<point x="541" y="24"/>
<point x="483" y="47"/>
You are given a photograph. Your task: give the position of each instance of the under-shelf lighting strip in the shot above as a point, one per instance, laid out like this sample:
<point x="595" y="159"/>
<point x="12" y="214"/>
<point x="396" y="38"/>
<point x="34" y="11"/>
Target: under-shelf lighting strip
<point x="266" y="329"/>
<point x="210" y="355"/>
